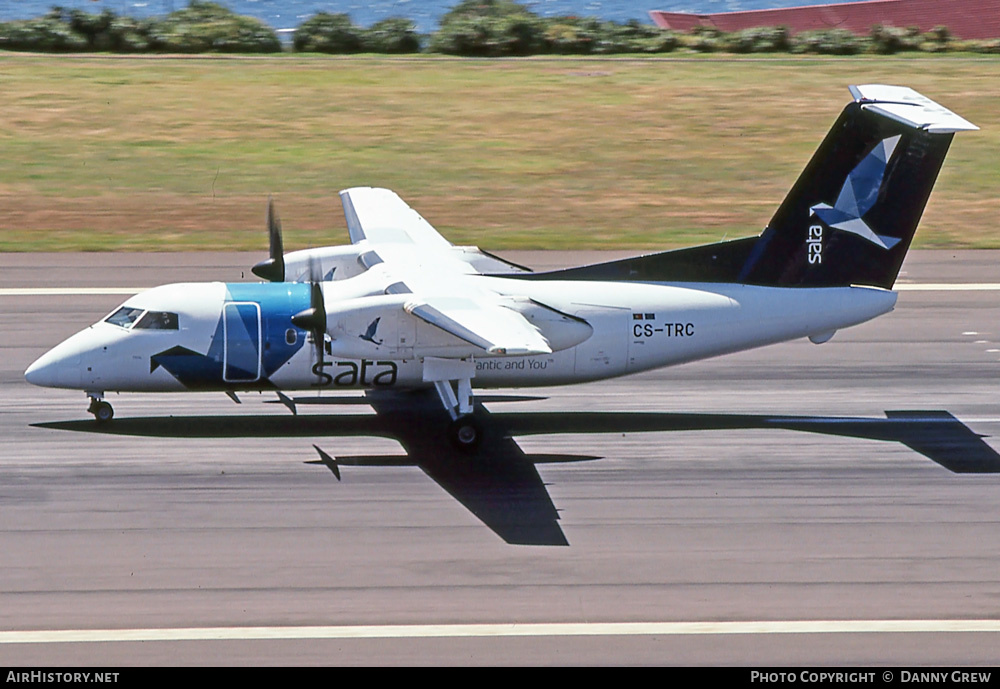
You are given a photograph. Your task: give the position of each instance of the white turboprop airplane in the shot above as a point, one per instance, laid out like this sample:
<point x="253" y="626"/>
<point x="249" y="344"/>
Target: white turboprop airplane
<point x="401" y="307"/>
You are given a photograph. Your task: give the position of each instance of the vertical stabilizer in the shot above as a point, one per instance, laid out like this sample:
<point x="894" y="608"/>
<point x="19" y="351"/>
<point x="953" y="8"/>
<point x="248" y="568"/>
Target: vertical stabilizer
<point x="851" y="215"/>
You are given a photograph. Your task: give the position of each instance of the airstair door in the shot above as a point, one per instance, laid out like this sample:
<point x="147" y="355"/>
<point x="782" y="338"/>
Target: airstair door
<point x="242" y="333"/>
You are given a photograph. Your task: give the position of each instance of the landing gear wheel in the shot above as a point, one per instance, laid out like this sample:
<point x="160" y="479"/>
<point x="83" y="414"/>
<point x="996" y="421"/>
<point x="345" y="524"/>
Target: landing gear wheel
<point x="465" y="434"/>
<point x="102" y="411"/>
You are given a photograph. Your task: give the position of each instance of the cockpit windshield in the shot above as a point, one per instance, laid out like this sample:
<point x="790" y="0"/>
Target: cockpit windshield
<point x="158" y="320"/>
<point x="140" y="319"/>
<point x="124" y="317"/>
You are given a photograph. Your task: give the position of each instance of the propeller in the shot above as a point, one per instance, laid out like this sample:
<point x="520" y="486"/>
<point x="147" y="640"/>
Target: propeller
<point x="273" y="269"/>
<point x="313" y="319"/>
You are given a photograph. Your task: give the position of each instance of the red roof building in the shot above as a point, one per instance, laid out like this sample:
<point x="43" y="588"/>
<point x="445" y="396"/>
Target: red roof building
<point x="968" y="19"/>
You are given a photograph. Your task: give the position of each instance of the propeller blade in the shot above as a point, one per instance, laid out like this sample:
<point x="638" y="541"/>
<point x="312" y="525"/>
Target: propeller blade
<point x="313" y="319"/>
<point x="273" y="269"/>
<point x="317" y="305"/>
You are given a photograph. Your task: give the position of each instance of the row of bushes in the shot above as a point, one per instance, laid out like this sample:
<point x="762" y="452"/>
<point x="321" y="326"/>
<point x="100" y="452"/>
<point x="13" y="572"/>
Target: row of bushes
<point x="200" y="28"/>
<point x="500" y="28"/>
<point x="474" y="28"/>
<point x="882" y="40"/>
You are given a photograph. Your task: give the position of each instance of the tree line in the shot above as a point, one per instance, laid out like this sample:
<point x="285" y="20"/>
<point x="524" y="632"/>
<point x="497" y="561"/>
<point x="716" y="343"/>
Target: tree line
<point x="472" y="28"/>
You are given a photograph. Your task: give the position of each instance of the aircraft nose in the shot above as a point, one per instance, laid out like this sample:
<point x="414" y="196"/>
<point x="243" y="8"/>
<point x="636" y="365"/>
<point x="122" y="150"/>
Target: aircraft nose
<point x="54" y="371"/>
<point x="39" y="373"/>
<point x="57" y="368"/>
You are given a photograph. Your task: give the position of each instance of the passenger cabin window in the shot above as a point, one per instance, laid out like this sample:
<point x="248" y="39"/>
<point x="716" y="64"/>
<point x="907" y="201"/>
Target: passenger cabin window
<point x="157" y="320"/>
<point x="124" y="317"/>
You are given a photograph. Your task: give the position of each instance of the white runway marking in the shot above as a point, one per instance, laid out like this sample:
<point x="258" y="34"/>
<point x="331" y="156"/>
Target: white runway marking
<point x="66" y="291"/>
<point x="427" y="631"/>
<point x="947" y="287"/>
<point x="77" y="291"/>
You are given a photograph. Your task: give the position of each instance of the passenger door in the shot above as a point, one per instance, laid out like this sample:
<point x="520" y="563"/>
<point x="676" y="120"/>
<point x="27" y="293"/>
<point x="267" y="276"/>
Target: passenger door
<point x="242" y="334"/>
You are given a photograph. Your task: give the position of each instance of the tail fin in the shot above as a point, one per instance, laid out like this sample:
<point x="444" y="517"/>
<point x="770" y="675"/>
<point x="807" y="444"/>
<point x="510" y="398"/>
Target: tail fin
<point x="848" y="220"/>
<point x="852" y="214"/>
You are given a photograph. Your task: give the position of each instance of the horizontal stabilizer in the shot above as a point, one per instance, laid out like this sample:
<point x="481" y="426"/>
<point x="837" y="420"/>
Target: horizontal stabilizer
<point x="905" y="105"/>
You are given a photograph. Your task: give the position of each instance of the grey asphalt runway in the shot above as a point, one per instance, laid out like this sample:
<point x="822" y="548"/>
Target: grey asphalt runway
<point x="795" y="505"/>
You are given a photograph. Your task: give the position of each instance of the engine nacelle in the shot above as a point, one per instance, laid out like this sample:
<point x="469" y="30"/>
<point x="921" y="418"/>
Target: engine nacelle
<point x="559" y="329"/>
<point x="334" y="263"/>
<point x="380" y="327"/>
<point x="328" y="262"/>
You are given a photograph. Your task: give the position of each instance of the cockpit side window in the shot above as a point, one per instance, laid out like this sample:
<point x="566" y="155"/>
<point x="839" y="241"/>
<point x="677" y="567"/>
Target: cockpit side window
<point x="124" y="317"/>
<point x="157" y="320"/>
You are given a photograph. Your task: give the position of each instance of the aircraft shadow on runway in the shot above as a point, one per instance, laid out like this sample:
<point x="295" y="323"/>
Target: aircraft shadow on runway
<point x="501" y="485"/>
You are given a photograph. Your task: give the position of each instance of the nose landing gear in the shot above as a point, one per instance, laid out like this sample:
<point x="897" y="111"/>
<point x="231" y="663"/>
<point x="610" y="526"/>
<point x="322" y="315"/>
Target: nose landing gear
<point x="102" y="411"/>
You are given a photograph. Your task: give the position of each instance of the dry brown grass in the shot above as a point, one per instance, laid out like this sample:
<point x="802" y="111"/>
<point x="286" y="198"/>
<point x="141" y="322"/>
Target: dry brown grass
<point x="114" y="153"/>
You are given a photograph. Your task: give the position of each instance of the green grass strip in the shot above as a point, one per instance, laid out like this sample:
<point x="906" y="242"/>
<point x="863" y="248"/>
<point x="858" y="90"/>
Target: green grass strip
<point x="114" y="153"/>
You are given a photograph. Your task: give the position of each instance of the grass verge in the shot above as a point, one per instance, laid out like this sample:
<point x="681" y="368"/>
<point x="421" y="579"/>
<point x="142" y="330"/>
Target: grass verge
<point x="112" y="153"/>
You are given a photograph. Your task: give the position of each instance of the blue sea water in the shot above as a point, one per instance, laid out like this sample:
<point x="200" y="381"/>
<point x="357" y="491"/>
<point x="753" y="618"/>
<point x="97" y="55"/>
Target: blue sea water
<point x="287" y="14"/>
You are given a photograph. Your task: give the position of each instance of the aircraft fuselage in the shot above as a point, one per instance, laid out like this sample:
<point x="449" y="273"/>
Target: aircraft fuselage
<point x="240" y="336"/>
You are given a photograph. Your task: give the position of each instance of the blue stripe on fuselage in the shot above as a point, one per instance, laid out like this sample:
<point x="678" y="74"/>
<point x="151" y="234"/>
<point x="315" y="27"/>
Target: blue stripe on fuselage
<point x="278" y="301"/>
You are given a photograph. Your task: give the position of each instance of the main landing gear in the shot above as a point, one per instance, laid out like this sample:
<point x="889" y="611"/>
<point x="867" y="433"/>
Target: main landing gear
<point x="465" y="434"/>
<point x="102" y="411"/>
<point x="453" y="382"/>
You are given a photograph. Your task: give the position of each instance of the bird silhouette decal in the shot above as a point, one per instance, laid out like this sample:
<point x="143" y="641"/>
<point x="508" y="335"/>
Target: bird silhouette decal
<point x="859" y="194"/>
<point x="370" y="333"/>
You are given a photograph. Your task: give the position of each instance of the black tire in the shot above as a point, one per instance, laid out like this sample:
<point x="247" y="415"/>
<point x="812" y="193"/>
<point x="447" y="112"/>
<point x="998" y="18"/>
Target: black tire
<point x="103" y="412"/>
<point x="465" y="434"/>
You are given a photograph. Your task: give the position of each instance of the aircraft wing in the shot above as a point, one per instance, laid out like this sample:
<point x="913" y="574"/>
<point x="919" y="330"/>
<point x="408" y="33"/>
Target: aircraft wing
<point x="441" y="278"/>
<point x="381" y="217"/>
<point x="493" y="327"/>
<point x="448" y="293"/>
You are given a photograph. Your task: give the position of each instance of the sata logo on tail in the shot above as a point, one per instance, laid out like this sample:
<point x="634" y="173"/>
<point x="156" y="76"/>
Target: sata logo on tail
<point x="857" y="196"/>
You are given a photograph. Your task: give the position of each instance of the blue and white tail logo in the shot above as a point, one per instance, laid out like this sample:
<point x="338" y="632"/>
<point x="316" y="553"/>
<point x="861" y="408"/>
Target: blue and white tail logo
<point x="859" y="194"/>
